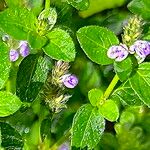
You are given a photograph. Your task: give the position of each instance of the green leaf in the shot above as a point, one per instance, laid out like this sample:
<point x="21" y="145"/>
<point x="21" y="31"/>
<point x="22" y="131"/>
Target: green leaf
<point x="9" y="103"/>
<point x="11" y="139"/>
<point x="4" y="64"/>
<point x="140" y="7"/>
<point x="61" y="48"/>
<point x="95" y="42"/>
<point x="17" y="22"/>
<point x="29" y="82"/>
<point x="94" y="96"/>
<point x="135" y="91"/>
<point x="36" y="41"/>
<point x="79" y="4"/>
<point x="88" y="127"/>
<point x="42" y="68"/>
<point x="123" y="69"/>
<point x="109" y="110"/>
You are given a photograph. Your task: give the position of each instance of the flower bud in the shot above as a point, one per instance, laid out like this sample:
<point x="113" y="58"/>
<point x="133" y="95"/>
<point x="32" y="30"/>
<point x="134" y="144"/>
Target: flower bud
<point x="5" y="38"/>
<point x="118" y="53"/>
<point x="70" y="81"/>
<point x="13" y="55"/>
<point x="24" y="48"/>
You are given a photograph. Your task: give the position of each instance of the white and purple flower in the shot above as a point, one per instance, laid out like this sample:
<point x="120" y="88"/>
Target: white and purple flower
<point x="70" y="81"/>
<point x="24" y="48"/>
<point x="13" y="55"/>
<point x="141" y="49"/>
<point x="118" y="52"/>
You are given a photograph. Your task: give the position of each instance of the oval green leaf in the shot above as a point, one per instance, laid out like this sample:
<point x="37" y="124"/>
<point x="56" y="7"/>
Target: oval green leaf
<point x="95" y="42"/>
<point x="109" y="110"/>
<point x="61" y="48"/>
<point x="88" y="127"/>
<point x="94" y="96"/>
<point x="17" y="22"/>
<point x="9" y="103"/>
<point x="135" y="91"/>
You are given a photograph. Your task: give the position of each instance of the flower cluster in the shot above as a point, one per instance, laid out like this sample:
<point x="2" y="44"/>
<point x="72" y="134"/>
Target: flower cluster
<point x="54" y="90"/>
<point x="16" y="48"/>
<point x="140" y="48"/>
<point x="22" y="50"/>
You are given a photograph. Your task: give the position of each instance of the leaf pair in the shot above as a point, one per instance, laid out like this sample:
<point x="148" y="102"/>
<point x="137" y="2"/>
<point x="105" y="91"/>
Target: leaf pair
<point x="107" y="108"/>
<point x="88" y="131"/>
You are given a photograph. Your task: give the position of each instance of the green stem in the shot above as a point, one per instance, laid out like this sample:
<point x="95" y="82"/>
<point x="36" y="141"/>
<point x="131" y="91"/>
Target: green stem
<point x="61" y="140"/>
<point x="111" y="87"/>
<point x="47" y="4"/>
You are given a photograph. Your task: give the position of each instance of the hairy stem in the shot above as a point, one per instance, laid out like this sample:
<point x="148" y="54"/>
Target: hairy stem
<point x="47" y="4"/>
<point x="111" y="87"/>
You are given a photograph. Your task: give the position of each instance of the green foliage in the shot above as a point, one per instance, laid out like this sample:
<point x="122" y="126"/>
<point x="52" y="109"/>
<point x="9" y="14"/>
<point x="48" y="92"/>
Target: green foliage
<point x="95" y="42"/>
<point x="17" y="22"/>
<point x="80" y="5"/>
<point x="94" y="96"/>
<point x="124" y="68"/>
<point x="10" y="137"/>
<point x="87" y="131"/>
<point x="140" y="7"/>
<point x="134" y="90"/>
<point x="9" y="103"/>
<point x="4" y="64"/>
<point x="29" y="85"/>
<point x="109" y="110"/>
<point x="38" y="79"/>
<point x="61" y="48"/>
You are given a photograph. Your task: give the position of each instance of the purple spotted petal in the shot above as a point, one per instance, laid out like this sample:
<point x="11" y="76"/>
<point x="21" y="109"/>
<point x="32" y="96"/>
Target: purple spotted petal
<point x="122" y="55"/>
<point x="70" y="81"/>
<point x="111" y="53"/>
<point x="13" y="55"/>
<point x="24" y="48"/>
<point x="118" y="53"/>
<point x="142" y="48"/>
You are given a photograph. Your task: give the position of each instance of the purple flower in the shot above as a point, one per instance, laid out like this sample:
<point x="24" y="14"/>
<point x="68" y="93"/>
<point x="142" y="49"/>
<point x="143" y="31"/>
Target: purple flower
<point x="141" y="49"/>
<point x="24" y="48"/>
<point x="118" y="53"/>
<point x="64" y="146"/>
<point x="13" y="55"/>
<point x="70" y="81"/>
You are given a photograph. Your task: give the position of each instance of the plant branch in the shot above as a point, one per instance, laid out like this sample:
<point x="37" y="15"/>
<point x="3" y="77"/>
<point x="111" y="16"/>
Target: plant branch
<point x="111" y="87"/>
<point x="47" y="4"/>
